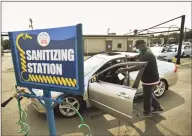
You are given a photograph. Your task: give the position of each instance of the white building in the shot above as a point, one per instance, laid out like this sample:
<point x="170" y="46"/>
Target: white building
<point x="108" y="43"/>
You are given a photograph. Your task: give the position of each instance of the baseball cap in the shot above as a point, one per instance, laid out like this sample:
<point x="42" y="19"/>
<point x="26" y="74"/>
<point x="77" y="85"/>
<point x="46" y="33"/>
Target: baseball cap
<point x="139" y="42"/>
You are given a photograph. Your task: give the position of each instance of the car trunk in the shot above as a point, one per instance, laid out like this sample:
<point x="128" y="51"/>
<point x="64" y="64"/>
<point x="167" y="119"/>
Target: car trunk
<point x="164" y="68"/>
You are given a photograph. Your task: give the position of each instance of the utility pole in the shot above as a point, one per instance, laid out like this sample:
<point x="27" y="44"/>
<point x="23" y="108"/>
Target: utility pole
<point x="185" y="34"/>
<point x="180" y="39"/>
<point x="108" y="31"/>
<point x="31" y="23"/>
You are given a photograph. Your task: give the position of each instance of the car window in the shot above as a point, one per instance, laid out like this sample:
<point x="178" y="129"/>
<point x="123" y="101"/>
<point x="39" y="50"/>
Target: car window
<point x="156" y="50"/>
<point x="130" y="79"/>
<point x="170" y="50"/>
<point x="187" y="47"/>
<point x="110" y="63"/>
<point x="92" y="63"/>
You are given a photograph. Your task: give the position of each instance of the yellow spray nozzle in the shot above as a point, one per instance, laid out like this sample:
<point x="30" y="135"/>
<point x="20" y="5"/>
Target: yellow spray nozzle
<point x="27" y="36"/>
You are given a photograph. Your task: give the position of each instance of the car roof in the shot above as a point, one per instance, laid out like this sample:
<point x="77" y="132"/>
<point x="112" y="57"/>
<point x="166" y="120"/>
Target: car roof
<point x="114" y="55"/>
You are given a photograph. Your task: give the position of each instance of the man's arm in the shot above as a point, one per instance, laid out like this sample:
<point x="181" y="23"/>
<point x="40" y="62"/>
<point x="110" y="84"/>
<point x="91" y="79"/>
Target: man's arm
<point x="130" y="69"/>
<point x="133" y="57"/>
<point x="133" y="68"/>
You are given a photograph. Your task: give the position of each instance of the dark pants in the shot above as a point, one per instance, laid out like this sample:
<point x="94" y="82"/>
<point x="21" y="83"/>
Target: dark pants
<point x="149" y="98"/>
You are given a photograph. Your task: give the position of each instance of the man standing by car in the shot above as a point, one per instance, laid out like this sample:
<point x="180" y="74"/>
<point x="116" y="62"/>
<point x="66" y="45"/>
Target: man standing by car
<point x="149" y="79"/>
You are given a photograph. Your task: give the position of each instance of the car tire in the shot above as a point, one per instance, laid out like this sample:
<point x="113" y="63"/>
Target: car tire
<point x="161" y="88"/>
<point x="183" y="54"/>
<point x="65" y="111"/>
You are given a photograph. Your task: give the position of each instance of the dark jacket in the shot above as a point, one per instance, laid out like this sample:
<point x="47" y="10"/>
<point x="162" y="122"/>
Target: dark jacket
<point x="150" y="73"/>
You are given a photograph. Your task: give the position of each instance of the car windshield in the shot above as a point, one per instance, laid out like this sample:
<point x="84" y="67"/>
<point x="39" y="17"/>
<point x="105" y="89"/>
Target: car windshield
<point x="171" y="49"/>
<point x="91" y="63"/>
<point x="156" y="50"/>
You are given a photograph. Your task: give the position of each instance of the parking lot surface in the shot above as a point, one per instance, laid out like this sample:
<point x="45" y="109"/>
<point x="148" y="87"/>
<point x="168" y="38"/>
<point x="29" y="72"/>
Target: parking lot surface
<point x="175" y="120"/>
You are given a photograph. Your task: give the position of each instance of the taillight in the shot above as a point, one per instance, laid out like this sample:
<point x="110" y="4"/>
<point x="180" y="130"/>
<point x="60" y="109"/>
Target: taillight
<point x="175" y="70"/>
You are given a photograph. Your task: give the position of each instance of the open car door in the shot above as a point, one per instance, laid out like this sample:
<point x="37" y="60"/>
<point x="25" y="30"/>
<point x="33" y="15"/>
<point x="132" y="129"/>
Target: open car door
<point x="114" y="99"/>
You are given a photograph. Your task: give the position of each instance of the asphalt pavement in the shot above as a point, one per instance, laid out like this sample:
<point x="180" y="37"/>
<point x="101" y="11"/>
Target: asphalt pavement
<point x="174" y="121"/>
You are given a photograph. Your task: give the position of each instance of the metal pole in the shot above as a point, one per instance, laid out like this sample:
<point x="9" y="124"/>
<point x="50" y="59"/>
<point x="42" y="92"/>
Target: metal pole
<point x="160" y="24"/>
<point x="87" y="47"/>
<point x="31" y="23"/>
<point x="159" y="32"/>
<point x="49" y="113"/>
<point x="185" y="35"/>
<point x="180" y="39"/>
<point x="125" y="44"/>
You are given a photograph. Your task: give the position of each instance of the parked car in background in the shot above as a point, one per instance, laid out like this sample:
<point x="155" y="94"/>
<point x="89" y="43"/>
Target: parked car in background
<point x="6" y="51"/>
<point x="185" y="50"/>
<point x="110" y="93"/>
<point x="187" y="43"/>
<point x="163" y="53"/>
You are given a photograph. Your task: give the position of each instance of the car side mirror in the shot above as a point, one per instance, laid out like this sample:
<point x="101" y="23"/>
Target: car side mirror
<point x="94" y="78"/>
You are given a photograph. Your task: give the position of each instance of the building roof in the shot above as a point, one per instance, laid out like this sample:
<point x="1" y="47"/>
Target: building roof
<point x="115" y="36"/>
<point x="6" y="34"/>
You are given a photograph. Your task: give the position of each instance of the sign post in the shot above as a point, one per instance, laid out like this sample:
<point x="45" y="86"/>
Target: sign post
<point x="50" y="113"/>
<point x="50" y="60"/>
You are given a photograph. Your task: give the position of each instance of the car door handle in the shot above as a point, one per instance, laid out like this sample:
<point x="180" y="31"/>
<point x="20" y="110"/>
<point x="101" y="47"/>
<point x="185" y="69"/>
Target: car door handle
<point x="122" y="94"/>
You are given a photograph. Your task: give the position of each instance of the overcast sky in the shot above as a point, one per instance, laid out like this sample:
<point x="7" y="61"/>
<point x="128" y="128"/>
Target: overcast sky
<point x="95" y="17"/>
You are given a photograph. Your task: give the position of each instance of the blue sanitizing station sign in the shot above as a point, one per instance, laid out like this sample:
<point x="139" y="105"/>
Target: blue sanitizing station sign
<point x="49" y="59"/>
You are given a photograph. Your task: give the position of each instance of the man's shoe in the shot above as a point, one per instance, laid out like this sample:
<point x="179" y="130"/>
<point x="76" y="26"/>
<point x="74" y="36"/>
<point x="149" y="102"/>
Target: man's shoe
<point x="147" y="115"/>
<point x="158" y="110"/>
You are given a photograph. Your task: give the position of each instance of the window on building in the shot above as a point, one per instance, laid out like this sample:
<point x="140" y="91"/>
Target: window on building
<point x="119" y="45"/>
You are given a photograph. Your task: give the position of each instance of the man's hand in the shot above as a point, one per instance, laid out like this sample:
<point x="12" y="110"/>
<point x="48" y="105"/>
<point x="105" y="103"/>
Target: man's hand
<point x="119" y="71"/>
<point x="132" y="57"/>
<point x="127" y="56"/>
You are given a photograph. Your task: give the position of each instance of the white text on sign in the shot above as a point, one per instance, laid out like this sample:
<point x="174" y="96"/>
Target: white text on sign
<point x="48" y="55"/>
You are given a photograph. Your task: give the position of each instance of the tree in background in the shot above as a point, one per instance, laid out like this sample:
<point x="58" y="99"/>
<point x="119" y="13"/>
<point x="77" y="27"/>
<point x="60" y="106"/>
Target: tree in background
<point x="174" y="37"/>
<point x="171" y="38"/>
<point x="188" y="35"/>
<point x="5" y="43"/>
<point x="1" y="43"/>
<point x="165" y="37"/>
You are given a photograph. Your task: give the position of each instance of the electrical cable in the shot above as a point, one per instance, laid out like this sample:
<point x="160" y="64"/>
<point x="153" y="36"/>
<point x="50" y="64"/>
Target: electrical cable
<point x="22" y="114"/>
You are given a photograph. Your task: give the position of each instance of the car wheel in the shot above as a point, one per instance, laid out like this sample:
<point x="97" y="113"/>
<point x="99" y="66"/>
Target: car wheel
<point x="65" y="110"/>
<point x="160" y="89"/>
<point x="183" y="54"/>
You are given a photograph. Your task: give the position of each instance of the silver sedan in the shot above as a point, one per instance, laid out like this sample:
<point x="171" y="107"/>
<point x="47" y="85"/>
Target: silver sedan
<point x="109" y="91"/>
